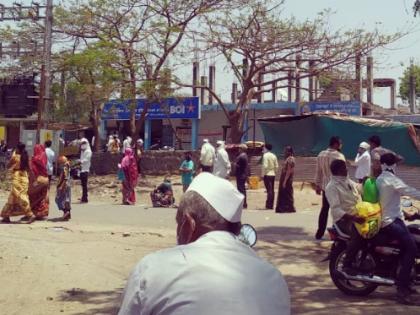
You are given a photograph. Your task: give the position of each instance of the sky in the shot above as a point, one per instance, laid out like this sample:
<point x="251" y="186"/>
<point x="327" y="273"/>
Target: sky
<point x="388" y="16"/>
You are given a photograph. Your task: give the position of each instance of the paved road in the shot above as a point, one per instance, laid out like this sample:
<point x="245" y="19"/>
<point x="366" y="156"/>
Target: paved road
<point x="286" y="240"/>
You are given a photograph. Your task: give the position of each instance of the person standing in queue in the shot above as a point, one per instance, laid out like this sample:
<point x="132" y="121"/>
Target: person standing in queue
<point x="323" y="177"/>
<point x="85" y="161"/>
<point x="210" y="271"/>
<point x="242" y="171"/>
<point x="270" y="166"/>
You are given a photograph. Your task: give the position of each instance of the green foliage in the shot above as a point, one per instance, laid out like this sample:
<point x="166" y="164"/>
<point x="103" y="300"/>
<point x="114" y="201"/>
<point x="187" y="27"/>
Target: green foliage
<point x="405" y="82"/>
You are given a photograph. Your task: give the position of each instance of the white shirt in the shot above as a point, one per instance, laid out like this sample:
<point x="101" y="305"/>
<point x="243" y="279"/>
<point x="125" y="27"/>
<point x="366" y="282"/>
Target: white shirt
<point x="50" y="160"/>
<point x="85" y="157"/>
<point x="269" y="164"/>
<point x="221" y="163"/>
<point x="391" y="188"/>
<point x="217" y="274"/>
<point x="363" y="163"/>
<point x="342" y="195"/>
<point x="207" y="154"/>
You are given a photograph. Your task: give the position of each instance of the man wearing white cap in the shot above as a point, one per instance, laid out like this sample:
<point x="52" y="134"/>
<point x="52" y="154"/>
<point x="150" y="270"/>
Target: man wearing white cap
<point x="211" y="271"/>
<point x="221" y="163"/>
<point x="363" y="162"/>
<point x="207" y="156"/>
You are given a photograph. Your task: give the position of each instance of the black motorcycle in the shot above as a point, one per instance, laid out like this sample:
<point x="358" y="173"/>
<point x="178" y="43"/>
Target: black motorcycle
<point x="376" y="264"/>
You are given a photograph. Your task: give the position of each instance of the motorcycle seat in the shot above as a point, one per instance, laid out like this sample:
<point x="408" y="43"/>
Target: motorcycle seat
<point x="340" y="232"/>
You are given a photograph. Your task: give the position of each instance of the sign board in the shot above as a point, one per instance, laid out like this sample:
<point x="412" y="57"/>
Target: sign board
<point x="352" y="108"/>
<point x="172" y="108"/>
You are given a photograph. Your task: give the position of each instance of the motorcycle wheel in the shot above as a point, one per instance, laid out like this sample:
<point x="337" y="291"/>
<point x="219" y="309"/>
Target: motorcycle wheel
<point x="349" y="287"/>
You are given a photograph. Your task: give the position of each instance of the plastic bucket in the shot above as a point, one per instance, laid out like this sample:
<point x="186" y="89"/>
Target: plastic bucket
<point x="254" y="182"/>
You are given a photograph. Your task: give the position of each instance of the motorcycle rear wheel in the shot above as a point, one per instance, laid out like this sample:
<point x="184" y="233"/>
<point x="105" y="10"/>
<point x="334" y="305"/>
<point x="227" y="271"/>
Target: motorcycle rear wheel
<point x="348" y="287"/>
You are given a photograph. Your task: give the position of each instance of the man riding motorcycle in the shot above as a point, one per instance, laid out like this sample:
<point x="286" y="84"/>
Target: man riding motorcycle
<point x="391" y="188"/>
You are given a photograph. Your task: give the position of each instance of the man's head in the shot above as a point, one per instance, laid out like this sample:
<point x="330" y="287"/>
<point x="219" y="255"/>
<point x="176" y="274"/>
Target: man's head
<point x="375" y="142"/>
<point x="48" y="143"/>
<point x="220" y="143"/>
<point x="205" y="140"/>
<point x="363" y="147"/>
<point x="210" y="204"/>
<point x="388" y="159"/>
<point x="268" y="146"/>
<point x="336" y="143"/>
<point x="338" y="168"/>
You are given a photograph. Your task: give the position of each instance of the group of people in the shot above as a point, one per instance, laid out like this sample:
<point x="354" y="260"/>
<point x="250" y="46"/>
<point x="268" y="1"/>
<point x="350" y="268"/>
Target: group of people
<point x="341" y="194"/>
<point x="31" y="179"/>
<point x="216" y="160"/>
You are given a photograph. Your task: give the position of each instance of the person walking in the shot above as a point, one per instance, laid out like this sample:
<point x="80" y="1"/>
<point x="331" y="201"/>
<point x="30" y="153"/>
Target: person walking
<point x="127" y="143"/>
<point x="50" y="159"/>
<point x="18" y="200"/>
<point x="131" y="174"/>
<point x="85" y="161"/>
<point x="363" y="162"/>
<point x="242" y="171"/>
<point x="207" y="156"/>
<point x="221" y="162"/>
<point x="269" y="171"/>
<point x="322" y="178"/>
<point x="187" y="171"/>
<point x="63" y="192"/>
<point x="285" y="199"/>
<point x="39" y="183"/>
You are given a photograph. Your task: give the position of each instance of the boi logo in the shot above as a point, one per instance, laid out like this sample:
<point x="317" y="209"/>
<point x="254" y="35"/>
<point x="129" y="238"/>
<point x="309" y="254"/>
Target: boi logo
<point x="179" y="109"/>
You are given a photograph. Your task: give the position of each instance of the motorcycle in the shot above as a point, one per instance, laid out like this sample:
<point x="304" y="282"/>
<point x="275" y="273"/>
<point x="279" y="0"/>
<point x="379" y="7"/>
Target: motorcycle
<point x="377" y="263"/>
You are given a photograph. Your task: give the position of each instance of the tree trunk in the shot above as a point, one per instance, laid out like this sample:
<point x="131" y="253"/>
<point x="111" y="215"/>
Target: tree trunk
<point x="236" y="131"/>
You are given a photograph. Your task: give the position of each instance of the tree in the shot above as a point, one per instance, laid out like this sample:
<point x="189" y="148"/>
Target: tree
<point x="405" y="82"/>
<point x="257" y="41"/>
<point x="92" y="80"/>
<point x="143" y="34"/>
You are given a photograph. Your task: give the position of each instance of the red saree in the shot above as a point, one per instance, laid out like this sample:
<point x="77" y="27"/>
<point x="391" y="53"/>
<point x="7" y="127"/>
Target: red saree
<point x="38" y="184"/>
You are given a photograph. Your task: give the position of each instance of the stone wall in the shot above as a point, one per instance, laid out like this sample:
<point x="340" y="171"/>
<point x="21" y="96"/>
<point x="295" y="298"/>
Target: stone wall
<point x="151" y="163"/>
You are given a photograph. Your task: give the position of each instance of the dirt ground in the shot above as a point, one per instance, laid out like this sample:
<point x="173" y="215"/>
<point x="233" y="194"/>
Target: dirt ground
<point x="80" y="267"/>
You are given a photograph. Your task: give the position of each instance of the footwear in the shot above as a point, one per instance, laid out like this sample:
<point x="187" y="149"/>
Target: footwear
<point x="83" y="201"/>
<point x="6" y="220"/>
<point x="66" y="216"/>
<point x="31" y="219"/>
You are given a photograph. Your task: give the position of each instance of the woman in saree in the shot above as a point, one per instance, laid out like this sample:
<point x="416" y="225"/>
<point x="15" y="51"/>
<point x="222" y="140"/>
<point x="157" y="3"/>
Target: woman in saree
<point x="18" y="201"/>
<point x="129" y="167"/>
<point x="285" y="200"/>
<point x="38" y="183"/>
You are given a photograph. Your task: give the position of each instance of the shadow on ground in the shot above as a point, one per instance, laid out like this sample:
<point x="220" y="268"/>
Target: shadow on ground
<point x="299" y="258"/>
<point x="99" y="302"/>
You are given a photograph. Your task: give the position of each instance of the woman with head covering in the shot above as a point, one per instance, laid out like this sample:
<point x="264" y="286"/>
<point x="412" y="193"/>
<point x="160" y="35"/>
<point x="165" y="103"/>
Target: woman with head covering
<point x="285" y="200"/>
<point x="38" y="183"/>
<point x="63" y="196"/>
<point x="18" y="201"/>
<point x="129" y="167"/>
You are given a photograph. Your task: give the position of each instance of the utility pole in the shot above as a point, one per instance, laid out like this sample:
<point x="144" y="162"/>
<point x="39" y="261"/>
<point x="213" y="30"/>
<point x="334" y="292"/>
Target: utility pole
<point x="412" y="88"/>
<point x="19" y="12"/>
<point x="45" y="84"/>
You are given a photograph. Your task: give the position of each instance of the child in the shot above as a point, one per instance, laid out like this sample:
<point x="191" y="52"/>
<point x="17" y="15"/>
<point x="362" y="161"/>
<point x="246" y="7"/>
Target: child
<point x="163" y="195"/>
<point x="63" y="196"/>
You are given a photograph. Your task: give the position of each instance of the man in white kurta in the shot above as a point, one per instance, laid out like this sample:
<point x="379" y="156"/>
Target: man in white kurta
<point x="213" y="272"/>
<point x="221" y="163"/>
<point x="207" y="156"/>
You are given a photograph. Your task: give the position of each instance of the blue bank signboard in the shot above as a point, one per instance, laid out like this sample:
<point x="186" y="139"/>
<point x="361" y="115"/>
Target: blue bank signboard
<point x="172" y="108"/>
<point x="352" y="108"/>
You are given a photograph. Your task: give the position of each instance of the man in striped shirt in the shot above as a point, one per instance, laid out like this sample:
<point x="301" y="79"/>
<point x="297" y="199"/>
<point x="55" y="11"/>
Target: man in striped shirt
<point x="323" y="176"/>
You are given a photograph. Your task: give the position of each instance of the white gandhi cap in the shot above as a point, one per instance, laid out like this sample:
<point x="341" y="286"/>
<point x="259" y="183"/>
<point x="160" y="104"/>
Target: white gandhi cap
<point x="220" y="194"/>
<point x="364" y="145"/>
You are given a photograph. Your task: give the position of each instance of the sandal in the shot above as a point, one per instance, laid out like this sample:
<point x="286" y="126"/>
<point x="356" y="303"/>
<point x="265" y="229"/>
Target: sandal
<point x="6" y="220"/>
